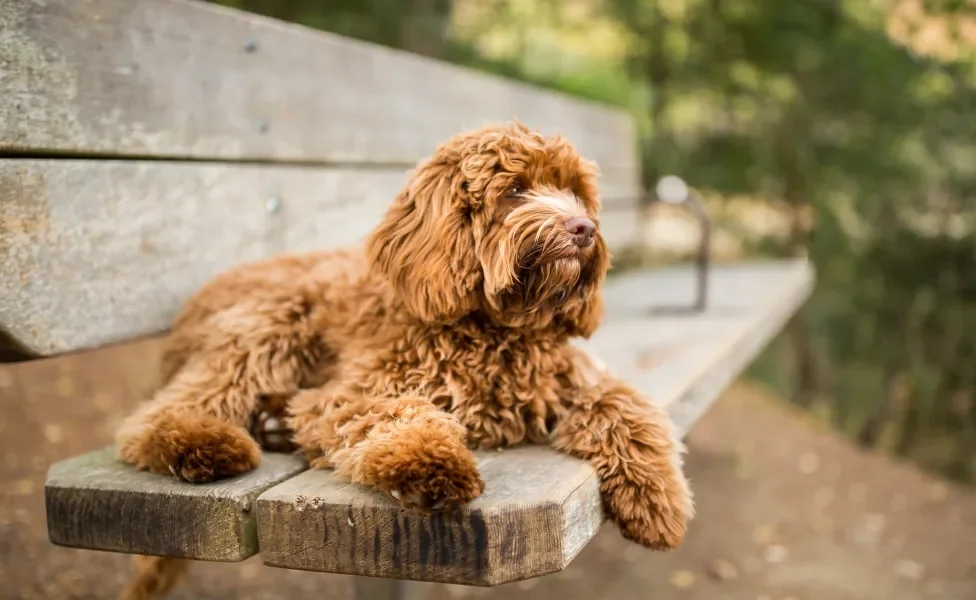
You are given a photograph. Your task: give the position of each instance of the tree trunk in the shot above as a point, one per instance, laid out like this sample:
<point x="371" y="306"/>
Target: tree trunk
<point x="911" y="427"/>
<point x="962" y="465"/>
<point x="874" y="425"/>
<point x="806" y="383"/>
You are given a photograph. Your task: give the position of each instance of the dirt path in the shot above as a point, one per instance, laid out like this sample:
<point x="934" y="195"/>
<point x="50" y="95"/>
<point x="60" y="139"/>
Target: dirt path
<point x="786" y="510"/>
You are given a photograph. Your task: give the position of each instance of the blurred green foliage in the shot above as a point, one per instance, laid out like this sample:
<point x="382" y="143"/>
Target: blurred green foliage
<point x="826" y="107"/>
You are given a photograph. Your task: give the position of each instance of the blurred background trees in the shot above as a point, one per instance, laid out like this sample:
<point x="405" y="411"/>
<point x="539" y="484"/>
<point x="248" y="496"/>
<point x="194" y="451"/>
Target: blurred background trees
<point x="855" y="120"/>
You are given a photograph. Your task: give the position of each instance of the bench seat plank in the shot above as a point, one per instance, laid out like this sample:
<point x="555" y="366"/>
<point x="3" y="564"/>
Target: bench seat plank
<point x="684" y="360"/>
<point x="97" y="502"/>
<point x="181" y="79"/>
<point x="100" y="252"/>
<point x="540" y="507"/>
<point x="538" y="511"/>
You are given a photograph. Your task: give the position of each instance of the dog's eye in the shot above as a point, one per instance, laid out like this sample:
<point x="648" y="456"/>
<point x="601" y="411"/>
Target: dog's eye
<point x="514" y="190"/>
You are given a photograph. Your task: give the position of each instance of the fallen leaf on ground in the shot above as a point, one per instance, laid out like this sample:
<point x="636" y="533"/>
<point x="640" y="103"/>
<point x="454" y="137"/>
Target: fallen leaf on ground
<point x="723" y="570"/>
<point x="809" y="463"/>
<point x="66" y="386"/>
<point x="682" y="579"/>
<point x="53" y="433"/>
<point x="458" y="591"/>
<point x="868" y="530"/>
<point x="764" y="535"/>
<point x="775" y="554"/>
<point x="909" y="569"/>
<point x="938" y="492"/>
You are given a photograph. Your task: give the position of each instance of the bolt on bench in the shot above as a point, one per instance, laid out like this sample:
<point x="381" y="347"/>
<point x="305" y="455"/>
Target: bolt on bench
<point x="146" y="147"/>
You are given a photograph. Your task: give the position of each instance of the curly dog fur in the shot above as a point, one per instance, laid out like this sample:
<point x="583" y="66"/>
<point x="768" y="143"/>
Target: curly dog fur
<point x="451" y="330"/>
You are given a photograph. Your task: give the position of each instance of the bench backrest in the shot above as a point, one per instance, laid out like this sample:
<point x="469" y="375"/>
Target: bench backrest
<point x="147" y="146"/>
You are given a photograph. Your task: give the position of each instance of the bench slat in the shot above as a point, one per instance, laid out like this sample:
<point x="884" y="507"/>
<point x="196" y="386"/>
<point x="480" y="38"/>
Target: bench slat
<point x="316" y="522"/>
<point x="188" y="79"/>
<point x="95" y="501"/>
<point x="686" y="360"/>
<point x="539" y="511"/>
<point x="99" y="252"/>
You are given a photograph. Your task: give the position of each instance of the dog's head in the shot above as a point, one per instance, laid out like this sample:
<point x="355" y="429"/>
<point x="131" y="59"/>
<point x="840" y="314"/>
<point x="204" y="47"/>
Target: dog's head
<point x="501" y="221"/>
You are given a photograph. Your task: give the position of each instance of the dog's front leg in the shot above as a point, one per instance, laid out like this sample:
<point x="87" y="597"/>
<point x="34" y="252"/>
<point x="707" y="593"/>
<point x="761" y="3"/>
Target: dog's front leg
<point x="630" y="443"/>
<point x="195" y="425"/>
<point x="403" y="446"/>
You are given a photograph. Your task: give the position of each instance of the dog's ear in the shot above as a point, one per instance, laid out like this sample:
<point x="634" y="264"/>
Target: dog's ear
<point x="425" y="245"/>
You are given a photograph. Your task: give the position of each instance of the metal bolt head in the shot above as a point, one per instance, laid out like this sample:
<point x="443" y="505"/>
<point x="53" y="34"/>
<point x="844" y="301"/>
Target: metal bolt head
<point x="251" y="46"/>
<point x="672" y="189"/>
<point x="272" y="204"/>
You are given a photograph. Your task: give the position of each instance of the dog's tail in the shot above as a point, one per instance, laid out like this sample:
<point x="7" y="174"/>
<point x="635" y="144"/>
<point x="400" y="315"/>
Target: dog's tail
<point x="155" y="577"/>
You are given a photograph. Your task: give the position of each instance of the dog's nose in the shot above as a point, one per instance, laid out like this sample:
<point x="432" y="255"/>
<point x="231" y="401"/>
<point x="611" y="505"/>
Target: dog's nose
<point x="582" y="230"/>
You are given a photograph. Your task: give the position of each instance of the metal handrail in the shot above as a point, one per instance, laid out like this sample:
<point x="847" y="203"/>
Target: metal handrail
<point x="672" y="189"/>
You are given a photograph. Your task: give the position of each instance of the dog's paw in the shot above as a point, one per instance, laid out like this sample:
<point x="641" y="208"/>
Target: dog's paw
<point x="194" y="448"/>
<point x="423" y="463"/>
<point x="430" y="483"/>
<point x="213" y="450"/>
<point x="655" y="515"/>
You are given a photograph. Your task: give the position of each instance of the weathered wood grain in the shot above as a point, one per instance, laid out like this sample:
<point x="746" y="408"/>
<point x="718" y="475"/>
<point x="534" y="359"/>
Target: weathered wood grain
<point x="188" y="79"/>
<point x="536" y="513"/>
<point x="95" y="501"/>
<point x="546" y="501"/>
<point x="98" y="252"/>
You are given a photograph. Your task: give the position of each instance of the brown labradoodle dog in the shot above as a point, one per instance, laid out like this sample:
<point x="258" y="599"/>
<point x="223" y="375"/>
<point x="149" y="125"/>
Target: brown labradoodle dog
<point x="451" y="331"/>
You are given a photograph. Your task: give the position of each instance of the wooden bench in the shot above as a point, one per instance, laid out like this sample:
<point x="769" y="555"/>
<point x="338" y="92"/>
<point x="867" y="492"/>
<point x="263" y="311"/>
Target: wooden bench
<point x="147" y="146"/>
